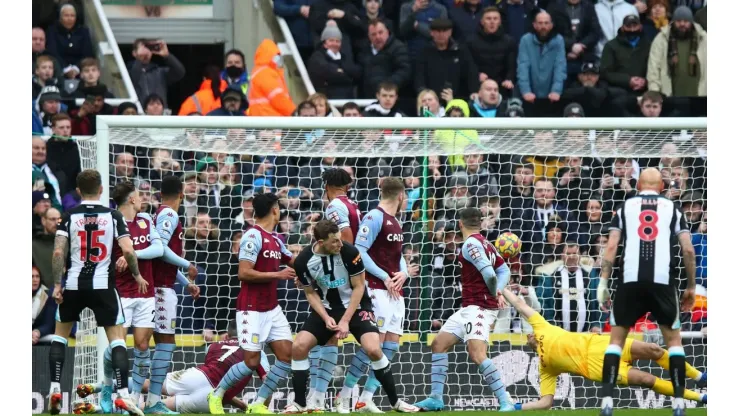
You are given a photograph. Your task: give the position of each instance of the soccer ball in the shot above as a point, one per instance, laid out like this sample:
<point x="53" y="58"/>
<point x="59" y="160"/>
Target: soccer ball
<point x="508" y="245"/>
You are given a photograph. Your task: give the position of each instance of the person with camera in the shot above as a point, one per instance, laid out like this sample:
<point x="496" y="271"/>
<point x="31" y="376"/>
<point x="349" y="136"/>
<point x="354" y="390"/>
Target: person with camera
<point x="154" y="69"/>
<point x="83" y="118"/>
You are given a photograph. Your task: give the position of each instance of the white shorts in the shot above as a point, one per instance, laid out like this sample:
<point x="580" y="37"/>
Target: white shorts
<point x="255" y="329"/>
<point x="165" y="310"/>
<point x="471" y="322"/>
<point x="389" y="313"/>
<point x="139" y="312"/>
<point x="190" y="388"/>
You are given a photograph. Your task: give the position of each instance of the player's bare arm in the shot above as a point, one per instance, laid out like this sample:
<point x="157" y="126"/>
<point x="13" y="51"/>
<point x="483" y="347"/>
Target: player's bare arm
<point x="247" y="273"/>
<point x="347" y="236"/>
<point x="689" y="263"/>
<point x="358" y="290"/>
<point x="58" y="261"/>
<point x="607" y="264"/>
<point x="517" y="303"/>
<point x="315" y="301"/>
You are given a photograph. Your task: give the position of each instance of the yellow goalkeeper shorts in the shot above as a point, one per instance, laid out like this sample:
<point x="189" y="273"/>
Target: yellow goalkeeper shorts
<point x="596" y="350"/>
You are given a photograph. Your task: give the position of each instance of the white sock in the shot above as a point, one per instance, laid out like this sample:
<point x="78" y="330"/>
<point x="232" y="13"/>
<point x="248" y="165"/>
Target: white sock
<point x="678" y="403"/>
<point x="55" y="387"/>
<point x="151" y="399"/>
<point x="366" y="397"/>
<point x="259" y="400"/>
<point x="309" y="396"/>
<point x="220" y="392"/>
<point x="123" y="392"/>
<point x="135" y="398"/>
<point x="107" y="381"/>
<point x="346" y="392"/>
<point x="607" y="402"/>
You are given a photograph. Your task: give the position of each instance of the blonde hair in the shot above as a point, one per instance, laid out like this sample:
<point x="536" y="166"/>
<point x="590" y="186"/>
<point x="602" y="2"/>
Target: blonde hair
<point x="421" y="95"/>
<point x="313" y="98"/>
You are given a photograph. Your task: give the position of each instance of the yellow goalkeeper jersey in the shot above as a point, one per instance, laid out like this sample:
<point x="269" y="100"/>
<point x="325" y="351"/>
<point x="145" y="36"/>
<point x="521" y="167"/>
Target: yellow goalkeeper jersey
<point x="581" y="354"/>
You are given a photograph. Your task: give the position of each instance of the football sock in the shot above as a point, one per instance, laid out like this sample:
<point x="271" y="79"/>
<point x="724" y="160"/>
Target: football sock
<point x="372" y="383"/>
<point x="677" y="369"/>
<point x="691" y="371"/>
<point x="278" y="372"/>
<point x="300" y="377"/>
<point x="141" y="370"/>
<point x="327" y="362"/>
<point x="665" y="388"/>
<point x="236" y="373"/>
<point x="314" y="356"/>
<point x="120" y="366"/>
<point x="56" y="361"/>
<point x="609" y="373"/>
<point x="357" y="368"/>
<point x="492" y="377"/>
<point x="439" y="375"/>
<point x="160" y="364"/>
<point x="384" y="375"/>
<point x="108" y="367"/>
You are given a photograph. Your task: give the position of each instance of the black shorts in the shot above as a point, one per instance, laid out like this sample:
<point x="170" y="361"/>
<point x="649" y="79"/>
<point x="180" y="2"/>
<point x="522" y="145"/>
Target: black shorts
<point x="105" y="304"/>
<point x="633" y="300"/>
<point x="361" y="323"/>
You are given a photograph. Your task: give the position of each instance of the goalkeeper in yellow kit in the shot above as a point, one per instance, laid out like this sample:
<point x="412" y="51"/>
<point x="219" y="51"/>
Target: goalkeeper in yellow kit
<point x="582" y="354"/>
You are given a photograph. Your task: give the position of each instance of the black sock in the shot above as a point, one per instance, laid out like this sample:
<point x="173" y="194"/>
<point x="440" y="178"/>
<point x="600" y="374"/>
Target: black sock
<point x="677" y="368"/>
<point x="609" y="374"/>
<point x="385" y="377"/>
<point x="56" y="360"/>
<point x="300" y="381"/>
<point x="120" y="366"/>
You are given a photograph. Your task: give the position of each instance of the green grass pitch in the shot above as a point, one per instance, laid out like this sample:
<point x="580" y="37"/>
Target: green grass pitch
<point x="581" y="412"/>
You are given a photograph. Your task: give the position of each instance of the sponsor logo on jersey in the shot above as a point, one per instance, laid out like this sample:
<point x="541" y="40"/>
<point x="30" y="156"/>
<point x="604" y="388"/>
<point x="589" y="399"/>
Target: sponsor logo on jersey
<point x="480" y="316"/>
<point x="162" y="318"/>
<point x="395" y="237"/>
<point x="252" y="236"/>
<point x="142" y="224"/>
<point x="160" y="300"/>
<point x="161" y="309"/>
<point x="388" y="222"/>
<point x="244" y="340"/>
<point x="478" y="333"/>
<point x="162" y="326"/>
<point x="326" y="282"/>
<point x="479" y="324"/>
<point x="244" y="331"/>
<point x="272" y="254"/>
<point x="267" y="241"/>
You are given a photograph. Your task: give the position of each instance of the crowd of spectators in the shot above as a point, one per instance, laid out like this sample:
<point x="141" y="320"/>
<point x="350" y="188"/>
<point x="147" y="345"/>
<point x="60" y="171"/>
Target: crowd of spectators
<point x="475" y="58"/>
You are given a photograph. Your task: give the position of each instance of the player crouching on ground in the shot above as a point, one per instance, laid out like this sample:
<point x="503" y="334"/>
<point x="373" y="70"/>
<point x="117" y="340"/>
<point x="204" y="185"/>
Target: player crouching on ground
<point x="561" y="351"/>
<point x="332" y="274"/>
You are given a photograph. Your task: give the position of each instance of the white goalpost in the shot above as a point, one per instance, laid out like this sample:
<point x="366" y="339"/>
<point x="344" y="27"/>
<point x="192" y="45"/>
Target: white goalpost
<point x="552" y="182"/>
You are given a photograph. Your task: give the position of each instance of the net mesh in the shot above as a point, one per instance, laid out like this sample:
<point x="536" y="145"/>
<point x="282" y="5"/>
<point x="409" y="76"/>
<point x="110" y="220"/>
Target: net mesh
<point x="588" y="172"/>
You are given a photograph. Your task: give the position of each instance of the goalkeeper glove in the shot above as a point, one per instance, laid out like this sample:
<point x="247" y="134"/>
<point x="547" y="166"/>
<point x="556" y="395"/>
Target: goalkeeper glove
<point x="602" y="293"/>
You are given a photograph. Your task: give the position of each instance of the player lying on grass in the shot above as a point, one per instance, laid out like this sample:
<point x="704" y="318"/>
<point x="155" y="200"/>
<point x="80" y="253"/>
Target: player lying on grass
<point x="332" y="274"/>
<point x="187" y="390"/>
<point x="582" y="354"/>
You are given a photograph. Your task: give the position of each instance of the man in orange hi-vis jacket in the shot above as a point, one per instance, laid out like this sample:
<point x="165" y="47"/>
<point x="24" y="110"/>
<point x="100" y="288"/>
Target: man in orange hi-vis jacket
<point x="268" y="92"/>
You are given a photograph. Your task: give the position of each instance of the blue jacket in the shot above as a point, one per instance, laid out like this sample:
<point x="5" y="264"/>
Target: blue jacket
<point x="541" y="67"/>
<point x="37" y="126"/>
<point x="700" y="247"/>
<point x="242" y="108"/>
<point x="290" y="10"/>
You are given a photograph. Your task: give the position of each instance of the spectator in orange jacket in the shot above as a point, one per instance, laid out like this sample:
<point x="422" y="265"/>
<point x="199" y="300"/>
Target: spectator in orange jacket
<point x="268" y="92"/>
<point x="208" y="97"/>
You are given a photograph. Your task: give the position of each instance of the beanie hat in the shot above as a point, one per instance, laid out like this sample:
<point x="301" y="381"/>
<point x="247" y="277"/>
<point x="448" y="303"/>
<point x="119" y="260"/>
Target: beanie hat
<point x="683" y="13"/>
<point x="331" y="32"/>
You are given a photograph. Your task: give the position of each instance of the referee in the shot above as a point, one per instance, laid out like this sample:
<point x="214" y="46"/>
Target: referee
<point x="648" y="225"/>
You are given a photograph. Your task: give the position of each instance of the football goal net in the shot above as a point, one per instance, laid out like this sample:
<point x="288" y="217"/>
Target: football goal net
<point x="554" y="183"/>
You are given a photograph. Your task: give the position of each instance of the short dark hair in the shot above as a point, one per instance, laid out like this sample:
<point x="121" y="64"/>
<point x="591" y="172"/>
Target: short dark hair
<point x="171" y="186"/>
<point x="306" y="105"/>
<point x="375" y="22"/>
<point x="122" y="191"/>
<point x="491" y="9"/>
<point x="569" y="242"/>
<point x="88" y="62"/>
<point x="652" y="96"/>
<point x="263" y="204"/>
<point x="388" y="86"/>
<point x="526" y="165"/>
<point x="337" y="177"/>
<point x="56" y="118"/>
<point x="546" y="179"/>
<point x="324" y="228"/>
<point x="391" y="188"/>
<point x="235" y="52"/>
<point x="471" y="217"/>
<point x="350" y="106"/>
<point x="89" y="182"/>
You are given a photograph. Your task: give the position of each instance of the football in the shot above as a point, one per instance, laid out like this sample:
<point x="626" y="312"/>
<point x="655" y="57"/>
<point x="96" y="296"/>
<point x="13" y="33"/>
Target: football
<point x="508" y="245"/>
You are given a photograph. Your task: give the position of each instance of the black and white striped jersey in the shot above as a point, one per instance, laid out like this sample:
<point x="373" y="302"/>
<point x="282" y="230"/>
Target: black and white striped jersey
<point x="91" y="229"/>
<point x="330" y="275"/>
<point x="650" y="225"/>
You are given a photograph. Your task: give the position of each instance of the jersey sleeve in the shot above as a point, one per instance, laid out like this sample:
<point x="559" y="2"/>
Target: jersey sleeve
<point x="369" y="229"/>
<point x="287" y="256"/>
<point x="548" y="382"/>
<point x="352" y="260"/>
<point x="681" y="225"/>
<point x="616" y="224"/>
<point x="250" y="246"/>
<point x="539" y="324"/>
<point x="301" y="267"/>
<point x="63" y="227"/>
<point x="119" y="225"/>
<point x="338" y="212"/>
<point x="474" y="252"/>
<point x="166" y="224"/>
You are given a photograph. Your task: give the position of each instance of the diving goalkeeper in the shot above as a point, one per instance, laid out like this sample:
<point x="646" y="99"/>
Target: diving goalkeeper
<point x="582" y="354"/>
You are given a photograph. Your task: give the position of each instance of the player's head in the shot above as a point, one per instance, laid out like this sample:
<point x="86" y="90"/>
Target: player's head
<point x="89" y="185"/>
<point x="172" y="189"/>
<point x="336" y="180"/>
<point x="650" y="180"/>
<point x="231" y="330"/>
<point x="125" y="193"/>
<point x="393" y="189"/>
<point x="266" y="206"/>
<point x="470" y="218"/>
<point x="326" y="233"/>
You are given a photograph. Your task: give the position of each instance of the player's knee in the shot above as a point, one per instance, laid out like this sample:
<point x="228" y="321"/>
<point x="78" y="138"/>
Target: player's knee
<point x="645" y="380"/>
<point x="142" y="345"/>
<point x="374" y="353"/>
<point x="655" y="351"/>
<point x="438" y="347"/>
<point x="476" y="356"/>
<point x="252" y="360"/>
<point x="300" y="349"/>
